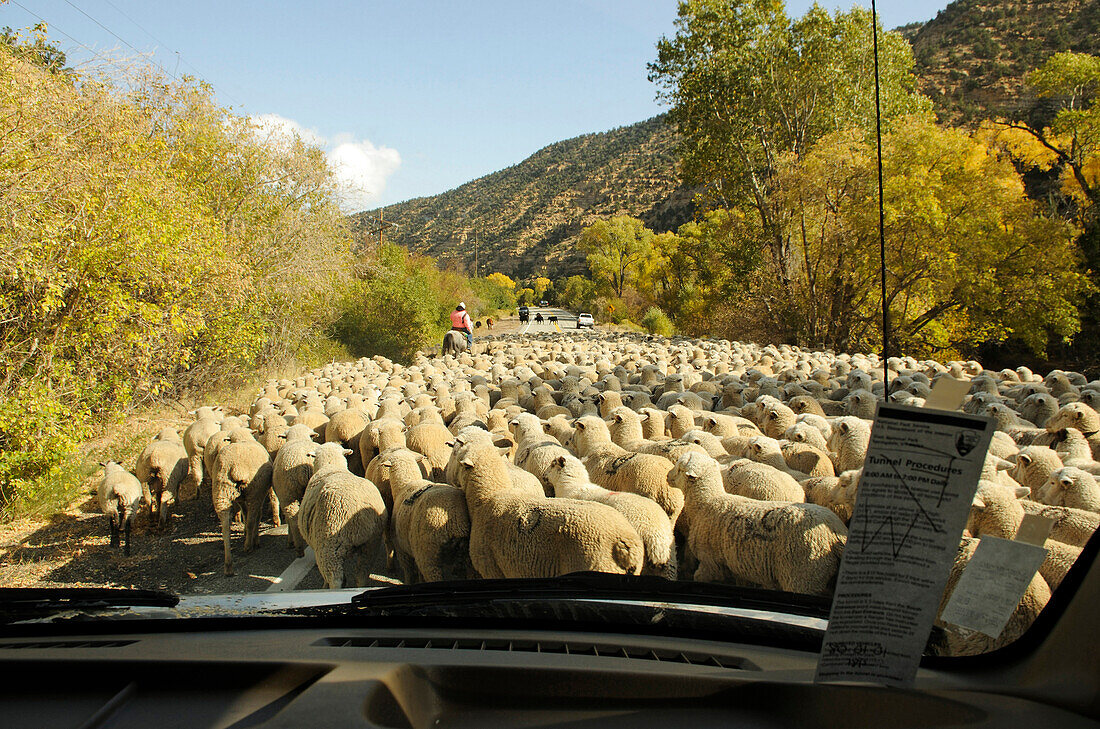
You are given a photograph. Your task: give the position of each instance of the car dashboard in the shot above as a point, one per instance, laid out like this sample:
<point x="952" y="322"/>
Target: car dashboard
<point x="404" y="678"/>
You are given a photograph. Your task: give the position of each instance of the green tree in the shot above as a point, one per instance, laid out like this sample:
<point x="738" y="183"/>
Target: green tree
<point x="616" y="249"/>
<point x="747" y="84"/>
<point x="969" y="257"/>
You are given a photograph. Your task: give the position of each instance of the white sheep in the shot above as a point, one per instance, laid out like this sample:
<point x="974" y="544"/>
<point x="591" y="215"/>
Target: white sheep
<point x="849" y="440"/>
<point x="430" y="522"/>
<point x="241" y="480"/>
<point x="625" y="428"/>
<point x="290" y="472"/>
<point x="1071" y="487"/>
<point x="760" y="481"/>
<point x="535" y="451"/>
<point x="513" y="535"/>
<point x="119" y="494"/>
<point x="775" y="545"/>
<point x="207" y="423"/>
<point x="618" y="469"/>
<point x="343" y="517"/>
<point x="161" y="467"/>
<point x="569" y="479"/>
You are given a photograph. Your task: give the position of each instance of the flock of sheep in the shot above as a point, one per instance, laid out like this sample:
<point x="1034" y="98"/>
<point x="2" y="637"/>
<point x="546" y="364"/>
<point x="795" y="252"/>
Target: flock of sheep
<point x="539" y="456"/>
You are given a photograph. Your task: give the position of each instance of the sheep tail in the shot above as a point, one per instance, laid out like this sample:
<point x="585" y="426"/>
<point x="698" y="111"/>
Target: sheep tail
<point x="626" y="556"/>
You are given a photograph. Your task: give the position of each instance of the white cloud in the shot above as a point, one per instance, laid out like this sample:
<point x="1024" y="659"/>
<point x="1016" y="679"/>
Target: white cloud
<point x="360" y="167"/>
<point x="362" y="170"/>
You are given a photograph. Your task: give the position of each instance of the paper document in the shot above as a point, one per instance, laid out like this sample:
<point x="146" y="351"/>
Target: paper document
<point x="992" y="584"/>
<point x="918" y="482"/>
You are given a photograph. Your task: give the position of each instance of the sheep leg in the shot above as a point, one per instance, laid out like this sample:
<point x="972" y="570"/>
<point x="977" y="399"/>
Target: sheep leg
<point x="251" y="525"/>
<point x="166" y="501"/>
<point x="126" y="548"/>
<point x="709" y="571"/>
<point x="225" y="517"/>
<point x="276" y="509"/>
<point x="194" y="472"/>
<point x="408" y="567"/>
<point x="114" y="532"/>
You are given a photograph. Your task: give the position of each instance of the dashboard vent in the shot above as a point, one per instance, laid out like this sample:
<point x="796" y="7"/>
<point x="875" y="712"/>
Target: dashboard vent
<point x="68" y="644"/>
<point x="559" y="648"/>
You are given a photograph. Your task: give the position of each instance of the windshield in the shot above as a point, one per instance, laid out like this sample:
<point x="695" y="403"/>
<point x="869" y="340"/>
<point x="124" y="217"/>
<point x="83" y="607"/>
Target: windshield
<point x="288" y="305"/>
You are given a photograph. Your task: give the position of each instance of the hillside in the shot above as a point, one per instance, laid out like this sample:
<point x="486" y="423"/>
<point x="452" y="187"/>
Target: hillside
<point x="528" y="217"/>
<point x="971" y="58"/>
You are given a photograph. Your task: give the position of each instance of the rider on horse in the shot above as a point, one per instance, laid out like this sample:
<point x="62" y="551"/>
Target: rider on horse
<point x="460" y="322"/>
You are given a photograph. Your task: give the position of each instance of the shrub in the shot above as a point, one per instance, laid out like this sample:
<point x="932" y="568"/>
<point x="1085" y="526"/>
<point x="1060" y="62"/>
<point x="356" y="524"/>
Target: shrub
<point x="656" y="321"/>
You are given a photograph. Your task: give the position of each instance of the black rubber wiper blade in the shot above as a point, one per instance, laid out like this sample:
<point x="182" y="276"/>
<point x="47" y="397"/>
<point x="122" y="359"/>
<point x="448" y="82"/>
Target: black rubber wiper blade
<point x="594" y="585"/>
<point x="18" y="602"/>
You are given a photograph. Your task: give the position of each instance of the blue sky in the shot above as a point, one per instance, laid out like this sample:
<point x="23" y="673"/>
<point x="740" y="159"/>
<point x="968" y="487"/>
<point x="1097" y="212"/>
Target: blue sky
<point x="409" y="97"/>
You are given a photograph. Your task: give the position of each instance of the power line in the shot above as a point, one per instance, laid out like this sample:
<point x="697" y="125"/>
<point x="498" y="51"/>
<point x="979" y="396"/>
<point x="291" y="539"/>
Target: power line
<point x="98" y="55"/>
<point x="120" y="38"/>
<point x="179" y="56"/>
<point x="125" y="42"/>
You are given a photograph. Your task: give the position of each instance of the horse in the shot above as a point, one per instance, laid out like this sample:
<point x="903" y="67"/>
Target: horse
<point x="454" y="342"/>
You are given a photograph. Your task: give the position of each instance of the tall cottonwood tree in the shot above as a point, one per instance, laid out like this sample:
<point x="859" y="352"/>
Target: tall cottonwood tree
<point x="616" y="249"/>
<point x="747" y="84"/>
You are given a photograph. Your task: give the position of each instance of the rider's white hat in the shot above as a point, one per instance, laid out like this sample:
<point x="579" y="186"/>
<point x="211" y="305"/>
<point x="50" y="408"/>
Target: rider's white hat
<point x="462" y="305"/>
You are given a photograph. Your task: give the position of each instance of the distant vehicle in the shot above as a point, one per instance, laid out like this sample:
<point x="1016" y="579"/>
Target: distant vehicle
<point x="524" y="314"/>
<point x="585" y="320"/>
<point x="543" y="303"/>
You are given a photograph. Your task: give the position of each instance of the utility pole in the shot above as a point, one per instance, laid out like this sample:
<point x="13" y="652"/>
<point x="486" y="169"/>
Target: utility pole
<point x="475" y="254"/>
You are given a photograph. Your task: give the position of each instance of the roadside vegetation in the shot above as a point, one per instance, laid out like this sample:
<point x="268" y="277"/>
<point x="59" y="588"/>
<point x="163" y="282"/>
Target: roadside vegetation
<point x="784" y="245"/>
<point x="156" y="246"/>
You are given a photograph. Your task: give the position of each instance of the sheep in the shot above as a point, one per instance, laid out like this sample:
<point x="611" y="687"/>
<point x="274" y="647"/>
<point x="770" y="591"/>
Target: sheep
<point x="535" y="450"/>
<point x="512" y="535"/>
<point x="559" y="428"/>
<point x="626" y="430"/>
<point x="1074" y="450"/>
<point x="430" y="439"/>
<point x="119" y="494"/>
<point x="346" y="428"/>
<point x="569" y="479"/>
<point x="430" y="523"/>
<point x="807" y="459"/>
<point x="161" y="468"/>
<point x="618" y="469"/>
<point x="808" y="434"/>
<point x="207" y="423"/>
<point x="1071" y="487"/>
<point x="680" y="420"/>
<point x="849" y="440"/>
<point x="1080" y="416"/>
<point x="241" y="480"/>
<point x="377" y="436"/>
<point x="761" y="481"/>
<point x="775" y="545"/>
<point x="1034" y="465"/>
<point x="724" y="425"/>
<point x="290" y="472"/>
<point x="521" y="480"/>
<point x="776" y="418"/>
<point x="342" y="516"/>
<point x="653" y="424"/>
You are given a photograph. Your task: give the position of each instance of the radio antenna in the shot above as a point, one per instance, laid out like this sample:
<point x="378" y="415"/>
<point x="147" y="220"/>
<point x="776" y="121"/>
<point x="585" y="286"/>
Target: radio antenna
<point x="881" y="213"/>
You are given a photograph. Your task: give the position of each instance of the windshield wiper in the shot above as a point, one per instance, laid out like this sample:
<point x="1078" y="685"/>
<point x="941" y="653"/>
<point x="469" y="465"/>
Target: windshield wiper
<point x="19" y="603"/>
<point x="592" y="586"/>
